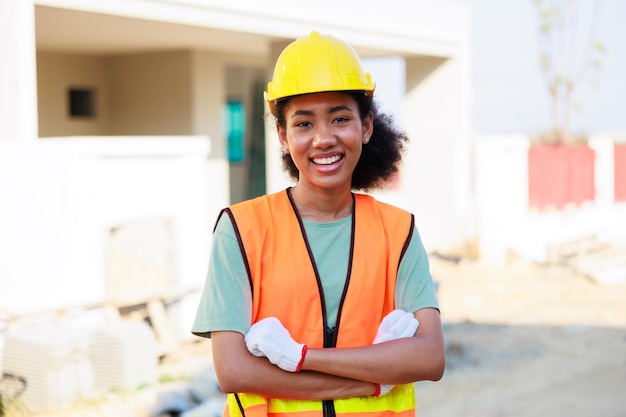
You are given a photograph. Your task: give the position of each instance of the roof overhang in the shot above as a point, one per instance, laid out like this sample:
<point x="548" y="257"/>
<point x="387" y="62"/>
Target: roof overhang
<point x="247" y="26"/>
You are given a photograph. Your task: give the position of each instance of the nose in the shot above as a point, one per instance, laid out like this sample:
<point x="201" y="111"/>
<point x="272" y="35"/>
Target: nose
<point x="323" y="138"/>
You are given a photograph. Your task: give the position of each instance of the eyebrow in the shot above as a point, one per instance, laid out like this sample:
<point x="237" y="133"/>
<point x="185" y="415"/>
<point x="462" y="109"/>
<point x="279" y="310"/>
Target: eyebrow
<point x="330" y="111"/>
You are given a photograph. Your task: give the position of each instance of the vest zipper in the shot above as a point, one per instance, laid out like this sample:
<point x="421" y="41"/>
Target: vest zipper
<point x="330" y="334"/>
<point x="328" y="408"/>
<point x="329" y="337"/>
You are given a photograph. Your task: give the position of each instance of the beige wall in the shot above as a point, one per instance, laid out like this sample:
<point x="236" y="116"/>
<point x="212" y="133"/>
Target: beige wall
<point x="56" y="74"/>
<point x="141" y="94"/>
<point x="151" y="94"/>
<point x="208" y="95"/>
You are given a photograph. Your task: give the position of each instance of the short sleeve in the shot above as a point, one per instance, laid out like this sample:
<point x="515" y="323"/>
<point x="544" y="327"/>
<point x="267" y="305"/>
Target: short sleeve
<point x="415" y="288"/>
<point x="226" y="301"/>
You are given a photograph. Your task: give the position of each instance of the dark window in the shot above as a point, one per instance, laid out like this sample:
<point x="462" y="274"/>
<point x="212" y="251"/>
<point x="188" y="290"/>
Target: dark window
<point x="82" y="102"/>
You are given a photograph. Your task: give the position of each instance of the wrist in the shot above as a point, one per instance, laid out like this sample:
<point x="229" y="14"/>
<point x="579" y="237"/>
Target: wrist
<point x="304" y="351"/>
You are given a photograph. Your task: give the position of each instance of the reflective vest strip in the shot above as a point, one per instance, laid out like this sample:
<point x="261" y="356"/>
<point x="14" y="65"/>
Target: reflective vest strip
<point x="295" y="406"/>
<point x="254" y="406"/>
<point x="399" y="400"/>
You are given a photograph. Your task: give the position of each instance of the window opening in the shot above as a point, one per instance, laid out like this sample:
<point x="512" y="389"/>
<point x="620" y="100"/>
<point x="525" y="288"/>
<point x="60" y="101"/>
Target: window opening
<point x="82" y="102"/>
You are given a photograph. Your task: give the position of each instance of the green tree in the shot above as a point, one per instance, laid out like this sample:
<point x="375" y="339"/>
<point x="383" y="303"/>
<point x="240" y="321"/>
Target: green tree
<point x="569" y="53"/>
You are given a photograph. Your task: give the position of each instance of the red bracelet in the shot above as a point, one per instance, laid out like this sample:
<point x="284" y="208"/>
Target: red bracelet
<point x="377" y="393"/>
<point x="304" y="350"/>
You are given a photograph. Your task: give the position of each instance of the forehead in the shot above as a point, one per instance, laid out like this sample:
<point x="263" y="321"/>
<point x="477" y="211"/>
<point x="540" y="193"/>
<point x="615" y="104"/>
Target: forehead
<point x="320" y="102"/>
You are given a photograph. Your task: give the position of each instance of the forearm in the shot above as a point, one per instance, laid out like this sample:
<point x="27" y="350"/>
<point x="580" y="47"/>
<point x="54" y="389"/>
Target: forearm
<point x="268" y="380"/>
<point x="395" y="362"/>
<point x="409" y="359"/>
<point x="239" y="371"/>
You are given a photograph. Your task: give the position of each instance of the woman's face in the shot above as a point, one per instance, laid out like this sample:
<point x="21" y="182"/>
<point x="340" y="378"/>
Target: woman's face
<point x="324" y="134"/>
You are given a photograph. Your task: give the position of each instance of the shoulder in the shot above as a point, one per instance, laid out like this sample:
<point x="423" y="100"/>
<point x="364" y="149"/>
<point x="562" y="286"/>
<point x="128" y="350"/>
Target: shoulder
<point x="260" y="213"/>
<point x="393" y="219"/>
<point x="366" y="200"/>
<point x="258" y="208"/>
<point x="261" y="201"/>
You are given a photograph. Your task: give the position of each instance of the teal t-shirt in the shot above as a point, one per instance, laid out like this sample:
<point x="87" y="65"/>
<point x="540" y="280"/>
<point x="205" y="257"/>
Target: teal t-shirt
<point x="226" y="301"/>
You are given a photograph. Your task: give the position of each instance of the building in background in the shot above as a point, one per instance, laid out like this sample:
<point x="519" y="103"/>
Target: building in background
<point x="126" y="125"/>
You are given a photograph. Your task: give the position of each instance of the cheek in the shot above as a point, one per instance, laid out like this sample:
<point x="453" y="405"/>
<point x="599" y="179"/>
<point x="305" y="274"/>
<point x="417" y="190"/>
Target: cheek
<point x="299" y="140"/>
<point x="355" y="141"/>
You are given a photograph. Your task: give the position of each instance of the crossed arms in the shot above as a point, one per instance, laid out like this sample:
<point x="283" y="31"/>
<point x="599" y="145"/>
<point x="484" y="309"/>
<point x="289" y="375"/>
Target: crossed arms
<point x="332" y="373"/>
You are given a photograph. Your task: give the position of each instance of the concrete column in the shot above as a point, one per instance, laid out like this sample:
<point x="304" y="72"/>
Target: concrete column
<point x="18" y="71"/>
<point x="501" y="184"/>
<point x="436" y="173"/>
<point x="603" y="146"/>
<point x="276" y="178"/>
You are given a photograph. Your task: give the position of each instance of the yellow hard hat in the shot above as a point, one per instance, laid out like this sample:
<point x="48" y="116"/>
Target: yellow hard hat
<point x="314" y="64"/>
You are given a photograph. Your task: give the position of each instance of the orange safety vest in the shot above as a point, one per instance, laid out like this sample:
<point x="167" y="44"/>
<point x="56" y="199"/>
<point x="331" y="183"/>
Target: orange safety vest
<point x="285" y="284"/>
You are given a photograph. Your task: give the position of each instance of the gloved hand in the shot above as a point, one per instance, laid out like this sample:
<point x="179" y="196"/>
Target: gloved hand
<point x="396" y="325"/>
<point x="269" y="338"/>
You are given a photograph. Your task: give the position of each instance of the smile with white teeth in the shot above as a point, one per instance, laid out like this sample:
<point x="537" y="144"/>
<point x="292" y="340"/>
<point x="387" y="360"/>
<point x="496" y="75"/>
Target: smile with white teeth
<point x="326" y="161"/>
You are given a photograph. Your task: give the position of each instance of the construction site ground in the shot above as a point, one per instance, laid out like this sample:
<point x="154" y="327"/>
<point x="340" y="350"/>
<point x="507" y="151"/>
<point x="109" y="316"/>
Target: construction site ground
<point x="522" y="340"/>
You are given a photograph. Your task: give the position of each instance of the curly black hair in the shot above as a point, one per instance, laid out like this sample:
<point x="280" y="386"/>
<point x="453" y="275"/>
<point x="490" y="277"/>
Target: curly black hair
<point x="380" y="157"/>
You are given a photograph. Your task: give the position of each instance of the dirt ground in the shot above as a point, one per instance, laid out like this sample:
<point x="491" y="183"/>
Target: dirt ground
<point x="528" y="340"/>
<point x="524" y="340"/>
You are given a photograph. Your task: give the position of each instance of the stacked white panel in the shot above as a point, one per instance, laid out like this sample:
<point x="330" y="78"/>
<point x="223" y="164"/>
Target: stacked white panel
<point x="124" y="356"/>
<point x="54" y="361"/>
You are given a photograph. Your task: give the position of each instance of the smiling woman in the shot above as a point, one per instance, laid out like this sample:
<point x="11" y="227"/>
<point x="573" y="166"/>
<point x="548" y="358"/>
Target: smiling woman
<point x="318" y="266"/>
<point x="379" y="160"/>
<point x="323" y="138"/>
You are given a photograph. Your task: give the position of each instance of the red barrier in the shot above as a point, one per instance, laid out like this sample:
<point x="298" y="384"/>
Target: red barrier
<point x="620" y="172"/>
<point x="560" y="175"/>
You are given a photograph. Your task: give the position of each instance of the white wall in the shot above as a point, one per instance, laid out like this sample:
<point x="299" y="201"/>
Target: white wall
<point x="501" y="172"/>
<point x="62" y="196"/>
<point x="18" y="77"/>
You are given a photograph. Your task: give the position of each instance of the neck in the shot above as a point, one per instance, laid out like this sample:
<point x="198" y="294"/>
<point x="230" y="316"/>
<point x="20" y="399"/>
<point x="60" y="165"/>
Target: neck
<point x="322" y="207"/>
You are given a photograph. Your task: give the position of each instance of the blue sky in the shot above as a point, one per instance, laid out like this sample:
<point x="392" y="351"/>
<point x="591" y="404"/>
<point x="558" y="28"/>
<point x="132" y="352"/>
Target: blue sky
<point x="509" y="93"/>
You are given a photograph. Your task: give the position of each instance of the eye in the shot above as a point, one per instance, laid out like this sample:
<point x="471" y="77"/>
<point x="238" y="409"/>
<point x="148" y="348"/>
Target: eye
<point x="341" y="119"/>
<point x="302" y="124"/>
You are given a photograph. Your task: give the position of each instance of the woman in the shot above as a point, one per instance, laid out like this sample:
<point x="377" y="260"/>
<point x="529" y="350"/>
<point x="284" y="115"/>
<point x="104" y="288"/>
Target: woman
<point x="319" y="299"/>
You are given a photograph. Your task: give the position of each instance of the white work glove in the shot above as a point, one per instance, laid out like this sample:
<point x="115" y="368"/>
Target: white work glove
<point x="395" y="325"/>
<point x="269" y="338"/>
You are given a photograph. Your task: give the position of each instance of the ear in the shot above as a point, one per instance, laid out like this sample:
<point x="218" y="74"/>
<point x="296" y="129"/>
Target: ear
<point x="368" y="125"/>
<point x="282" y="137"/>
